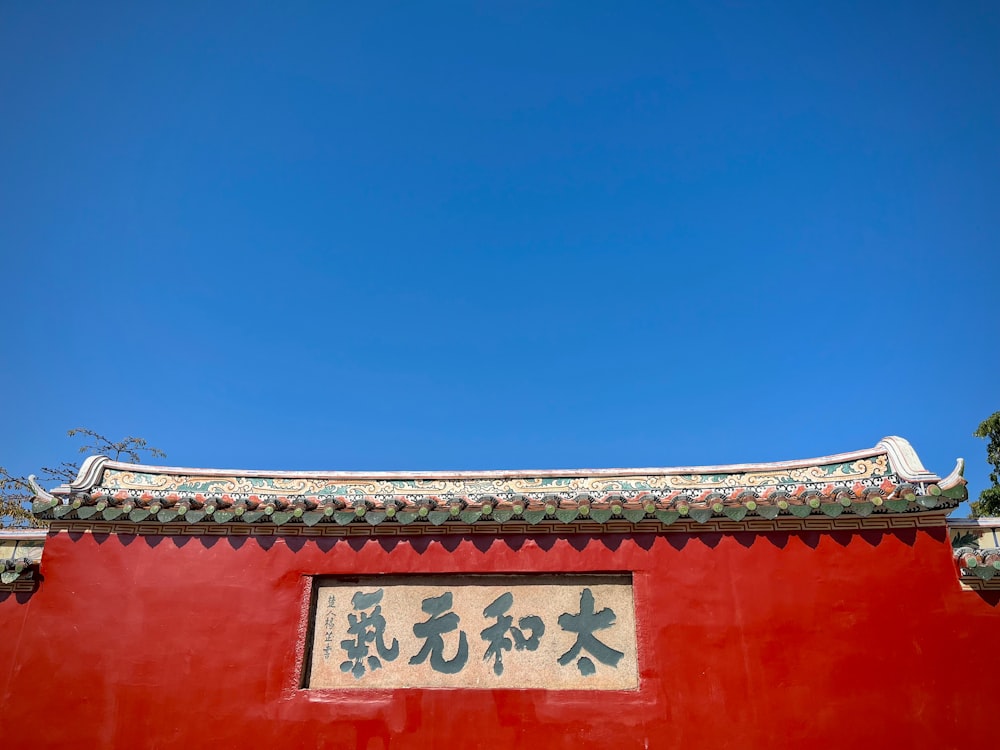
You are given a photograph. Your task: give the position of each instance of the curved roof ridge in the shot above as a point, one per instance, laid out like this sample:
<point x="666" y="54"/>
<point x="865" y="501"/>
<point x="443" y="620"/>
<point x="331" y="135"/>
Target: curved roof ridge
<point x="899" y="451"/>
<point x="887" y="478"/>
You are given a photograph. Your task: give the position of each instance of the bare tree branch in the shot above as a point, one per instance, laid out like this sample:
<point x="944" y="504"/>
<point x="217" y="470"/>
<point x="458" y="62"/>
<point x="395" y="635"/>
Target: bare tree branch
<point x="15" y="501"/>
<point x="16" y="494"/>
<point x="131" y="447"/>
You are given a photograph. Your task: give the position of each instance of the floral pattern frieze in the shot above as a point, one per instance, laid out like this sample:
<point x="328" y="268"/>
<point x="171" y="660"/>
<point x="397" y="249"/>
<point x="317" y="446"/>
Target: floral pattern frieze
<point x="868" y="468"/>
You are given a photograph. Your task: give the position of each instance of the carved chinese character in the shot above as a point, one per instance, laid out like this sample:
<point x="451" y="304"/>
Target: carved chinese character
<point x="496" y="634"/>
<point x="328" y="625"/>
<point x="434" y="629"/>
<point x="367" y="627"/>
<point x="584" y="624"/>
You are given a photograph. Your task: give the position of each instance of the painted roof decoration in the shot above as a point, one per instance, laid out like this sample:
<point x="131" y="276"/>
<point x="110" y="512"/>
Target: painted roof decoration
<point x="976" y="546"/>
<point x="888" y="478"/>
<point x="982" y="564"/>
<point x="20" y="555"/>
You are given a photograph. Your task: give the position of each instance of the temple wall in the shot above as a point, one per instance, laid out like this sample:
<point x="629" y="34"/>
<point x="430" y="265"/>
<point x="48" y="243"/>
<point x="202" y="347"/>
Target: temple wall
<point x="748" y="640"/>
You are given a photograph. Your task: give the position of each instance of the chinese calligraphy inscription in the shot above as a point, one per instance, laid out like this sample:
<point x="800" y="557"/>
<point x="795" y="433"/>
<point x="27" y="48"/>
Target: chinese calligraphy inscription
<point x="434" y="629"/>
<point x="569" y="632"/>
<point x="496" y="634"/>
<point x="366" y="627"/>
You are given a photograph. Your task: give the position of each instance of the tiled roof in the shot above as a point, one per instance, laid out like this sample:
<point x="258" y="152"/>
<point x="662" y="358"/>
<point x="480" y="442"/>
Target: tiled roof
<point x="888" y="478"/>
<point x="983" y="564"/>
<point x="20" y="554"/>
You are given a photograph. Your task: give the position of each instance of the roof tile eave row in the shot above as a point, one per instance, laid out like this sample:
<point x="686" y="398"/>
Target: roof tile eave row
<point x="17" y="569"/>
<point x="374" y="510"/>
<point x="974" y="562"/>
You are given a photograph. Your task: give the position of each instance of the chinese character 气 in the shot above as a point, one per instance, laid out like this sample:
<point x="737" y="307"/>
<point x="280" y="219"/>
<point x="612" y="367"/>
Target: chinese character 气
<point x="366" y="627"/>
<point x="584" y="625"/>
<point x="496" y="634"/>
<point x="433" y="629"/>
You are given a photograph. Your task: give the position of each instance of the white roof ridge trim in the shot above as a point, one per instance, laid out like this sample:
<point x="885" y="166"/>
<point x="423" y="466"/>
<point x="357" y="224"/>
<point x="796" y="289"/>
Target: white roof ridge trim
<point x="903" y="459"/>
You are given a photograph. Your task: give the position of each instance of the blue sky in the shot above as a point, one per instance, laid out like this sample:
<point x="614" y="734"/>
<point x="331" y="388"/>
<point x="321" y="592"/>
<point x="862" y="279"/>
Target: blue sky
<point x="512" y="235"/>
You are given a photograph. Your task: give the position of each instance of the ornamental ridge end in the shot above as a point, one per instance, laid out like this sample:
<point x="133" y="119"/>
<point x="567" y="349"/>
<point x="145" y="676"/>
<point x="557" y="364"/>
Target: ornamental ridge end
<point x="91" y="471"/>
<point x="957" y="476"/>
<point x="905" y="460"/>
<point x="37" y="492"/>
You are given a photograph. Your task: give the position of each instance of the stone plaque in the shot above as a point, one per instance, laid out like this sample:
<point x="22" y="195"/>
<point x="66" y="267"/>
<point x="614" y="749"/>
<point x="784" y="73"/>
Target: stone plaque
<point x="557" y="632"/>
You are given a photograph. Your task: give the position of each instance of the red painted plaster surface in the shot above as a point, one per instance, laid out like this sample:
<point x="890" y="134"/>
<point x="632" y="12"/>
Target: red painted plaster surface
<point x="842" y="640"/>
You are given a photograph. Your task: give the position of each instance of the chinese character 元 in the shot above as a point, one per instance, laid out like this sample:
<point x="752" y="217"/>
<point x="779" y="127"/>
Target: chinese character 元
<point x="433" y="629"/>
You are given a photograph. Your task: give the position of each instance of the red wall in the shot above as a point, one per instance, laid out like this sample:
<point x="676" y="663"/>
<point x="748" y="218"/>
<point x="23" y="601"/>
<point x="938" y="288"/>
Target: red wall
<point x="843" y="640"/>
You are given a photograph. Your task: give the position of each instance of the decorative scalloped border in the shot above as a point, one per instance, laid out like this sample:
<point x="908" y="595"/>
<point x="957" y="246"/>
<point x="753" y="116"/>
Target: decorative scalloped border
<point x="934" y="519"/>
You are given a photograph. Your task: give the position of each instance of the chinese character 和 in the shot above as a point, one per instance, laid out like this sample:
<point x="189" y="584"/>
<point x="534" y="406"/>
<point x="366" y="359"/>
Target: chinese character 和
<point x="496" y="634"/>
